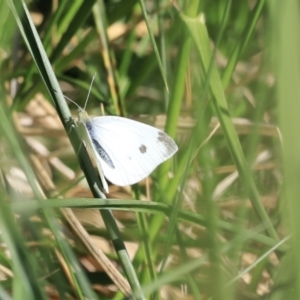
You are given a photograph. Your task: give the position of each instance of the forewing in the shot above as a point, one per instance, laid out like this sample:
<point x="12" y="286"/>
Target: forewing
<point x="129" y="150"/>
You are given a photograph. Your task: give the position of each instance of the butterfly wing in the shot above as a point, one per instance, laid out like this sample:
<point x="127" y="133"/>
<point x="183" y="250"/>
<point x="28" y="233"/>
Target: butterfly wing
<point x="128" y="150"/>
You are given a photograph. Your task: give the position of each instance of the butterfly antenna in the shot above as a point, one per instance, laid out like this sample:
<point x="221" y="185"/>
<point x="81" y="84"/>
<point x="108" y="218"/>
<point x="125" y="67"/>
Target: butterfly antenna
<point x="89" y="91"/>
<point x="70" y="100"/>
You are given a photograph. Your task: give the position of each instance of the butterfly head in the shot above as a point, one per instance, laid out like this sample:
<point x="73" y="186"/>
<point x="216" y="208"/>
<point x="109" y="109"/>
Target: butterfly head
<point x="82" y="115"/>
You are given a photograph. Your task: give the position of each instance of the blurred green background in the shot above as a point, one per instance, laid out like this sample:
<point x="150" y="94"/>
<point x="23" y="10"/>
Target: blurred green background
<point x="220" y="220"/>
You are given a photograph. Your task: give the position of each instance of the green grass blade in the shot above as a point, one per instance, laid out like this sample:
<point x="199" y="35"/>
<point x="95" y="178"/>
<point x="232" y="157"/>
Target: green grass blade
<point x="198" y="31"/>
<point x="242" y="42"/>
<point x="108" y="58"/>
<point x="26" y="279"/>
<point x="286" y="45"/>
<point x="153" y="42"/>
<point x="143" y="207"/>
<point x="76" y="21"/>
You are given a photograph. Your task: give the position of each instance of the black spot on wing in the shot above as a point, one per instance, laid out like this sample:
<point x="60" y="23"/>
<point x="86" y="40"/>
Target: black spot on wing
<point x="103" y="154"/>
<point x="143" y="149"/>
<point x="169" y="144"/>
<point x="88" y="126"/>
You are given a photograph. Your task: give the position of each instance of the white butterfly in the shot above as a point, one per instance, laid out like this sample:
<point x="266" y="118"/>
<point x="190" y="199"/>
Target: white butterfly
<point x="125" y="151"/>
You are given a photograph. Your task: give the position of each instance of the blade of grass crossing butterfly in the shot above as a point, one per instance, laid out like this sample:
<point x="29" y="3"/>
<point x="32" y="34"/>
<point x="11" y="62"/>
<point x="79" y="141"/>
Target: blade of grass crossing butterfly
<point x="85" y="137"/>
